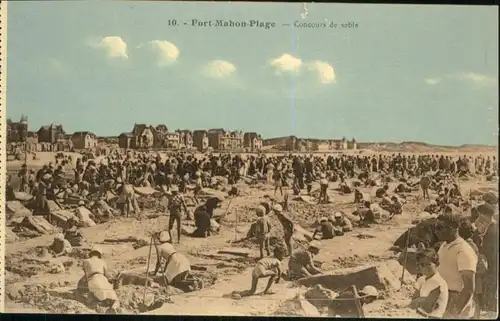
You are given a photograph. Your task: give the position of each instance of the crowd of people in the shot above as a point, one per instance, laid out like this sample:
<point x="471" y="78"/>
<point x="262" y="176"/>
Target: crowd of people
<point x="458" y="276"/>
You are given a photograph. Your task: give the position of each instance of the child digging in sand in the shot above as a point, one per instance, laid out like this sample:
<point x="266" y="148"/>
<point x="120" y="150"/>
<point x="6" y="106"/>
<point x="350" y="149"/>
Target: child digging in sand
<point x="269" y="267"/>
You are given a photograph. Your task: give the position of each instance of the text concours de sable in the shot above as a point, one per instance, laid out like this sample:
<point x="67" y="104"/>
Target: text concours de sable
<point x="300" y="24"/>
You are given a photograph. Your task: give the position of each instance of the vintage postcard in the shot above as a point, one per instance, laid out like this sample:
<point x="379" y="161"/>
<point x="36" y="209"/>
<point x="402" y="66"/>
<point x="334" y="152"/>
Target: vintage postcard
<point x="264" y="159"/>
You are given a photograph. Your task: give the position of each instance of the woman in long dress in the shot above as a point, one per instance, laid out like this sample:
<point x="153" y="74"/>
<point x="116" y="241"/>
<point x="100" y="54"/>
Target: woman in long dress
<point x="176" y="267"/>
<point x="97" y="279"/>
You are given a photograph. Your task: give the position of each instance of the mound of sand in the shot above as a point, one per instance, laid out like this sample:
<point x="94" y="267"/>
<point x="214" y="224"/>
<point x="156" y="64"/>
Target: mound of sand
<point x="297" y="307"/>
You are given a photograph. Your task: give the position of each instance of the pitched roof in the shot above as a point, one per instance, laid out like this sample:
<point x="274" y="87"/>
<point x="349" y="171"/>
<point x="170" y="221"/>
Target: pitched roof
<point x="45" y="127"/>
<point x="75" y="134"/>
<point x="138" y="128"/>
<point x="216" y="130"/>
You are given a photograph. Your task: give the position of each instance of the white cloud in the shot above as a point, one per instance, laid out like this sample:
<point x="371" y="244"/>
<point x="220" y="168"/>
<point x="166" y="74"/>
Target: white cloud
<point x="286" y="63"/>
<point x="471" y="78"/>
<point x="325" y="71"/>
<point x="167" y="52"/>
<point x="114" y="46"/>
<point x="477" y="79"/>
<point x="432" y="81"/>
<point x="218" y="69"/>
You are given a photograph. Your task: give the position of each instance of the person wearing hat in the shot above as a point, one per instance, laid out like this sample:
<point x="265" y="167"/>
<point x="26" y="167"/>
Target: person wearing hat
<point x="341" y="224"/>
<point x="301" y="261"/>
<point x="486" y="238"/>
<point x="177" y="266"/>
<point x="175" y="206"/>
<point x="60" y="246"/>
<point x="97" y="279"/>
<point x="287" y="224"/>
<point x="344" y="305"/>
<point x="325" y="228"/>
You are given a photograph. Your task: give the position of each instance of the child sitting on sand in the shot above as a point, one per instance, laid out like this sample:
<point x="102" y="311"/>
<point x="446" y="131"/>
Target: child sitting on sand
<point x="269" y="267"/>
<point x="431" y="295"/>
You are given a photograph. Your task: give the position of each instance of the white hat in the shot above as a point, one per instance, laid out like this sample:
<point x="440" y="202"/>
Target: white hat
<point x="46" y="176"/>
<point x="163" y="236"/>
<point x="323" y="219"/>
<point x="315" y="244"/>
<point x="337" y="214"/>
<point x="59" y="237"/>
<point x="369" y="290"/>
<point x="277" y="208"/>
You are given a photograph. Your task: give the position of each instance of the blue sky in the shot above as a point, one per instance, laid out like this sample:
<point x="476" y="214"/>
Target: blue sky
<point x="407" y="73"/>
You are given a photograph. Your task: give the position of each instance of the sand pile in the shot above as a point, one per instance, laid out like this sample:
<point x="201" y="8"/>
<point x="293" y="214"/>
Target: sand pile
<point x="45" y="298"/>
<point x="132" y="296"/>
<point x="381" y="275"/>
<point x="152" y="203"/>
<point x="298" y="307"/>
<point x="208" y="279"/>
<point x="320" y="296"/>
<point x="24" y="266"/>
<point x="305" y="213"/>
<point x="10" y="236"/>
